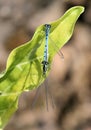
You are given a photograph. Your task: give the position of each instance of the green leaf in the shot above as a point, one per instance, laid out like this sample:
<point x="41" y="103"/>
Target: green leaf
<point x="24" y="70"/>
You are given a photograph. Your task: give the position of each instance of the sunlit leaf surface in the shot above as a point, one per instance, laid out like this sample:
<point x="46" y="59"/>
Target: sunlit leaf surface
<point x="24" y="69"/>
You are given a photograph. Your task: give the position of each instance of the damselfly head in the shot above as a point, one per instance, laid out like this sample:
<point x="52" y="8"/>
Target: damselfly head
<point x="45" y="62"/>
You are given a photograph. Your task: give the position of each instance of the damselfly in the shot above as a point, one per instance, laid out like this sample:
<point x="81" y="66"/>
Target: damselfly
<point x="45" y="62"/>
<point x="47" y="38"/>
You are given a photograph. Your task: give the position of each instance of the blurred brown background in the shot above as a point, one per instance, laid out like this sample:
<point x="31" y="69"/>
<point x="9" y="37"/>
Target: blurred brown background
<point x="69" y="79"/>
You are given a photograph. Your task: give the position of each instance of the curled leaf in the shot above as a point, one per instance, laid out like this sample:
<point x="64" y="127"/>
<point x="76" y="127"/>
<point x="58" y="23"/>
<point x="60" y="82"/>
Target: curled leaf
<point x="24" y="68"/>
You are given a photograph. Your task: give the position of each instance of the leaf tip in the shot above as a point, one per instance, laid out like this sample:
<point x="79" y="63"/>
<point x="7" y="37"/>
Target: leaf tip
<point x="81" y="8"/>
